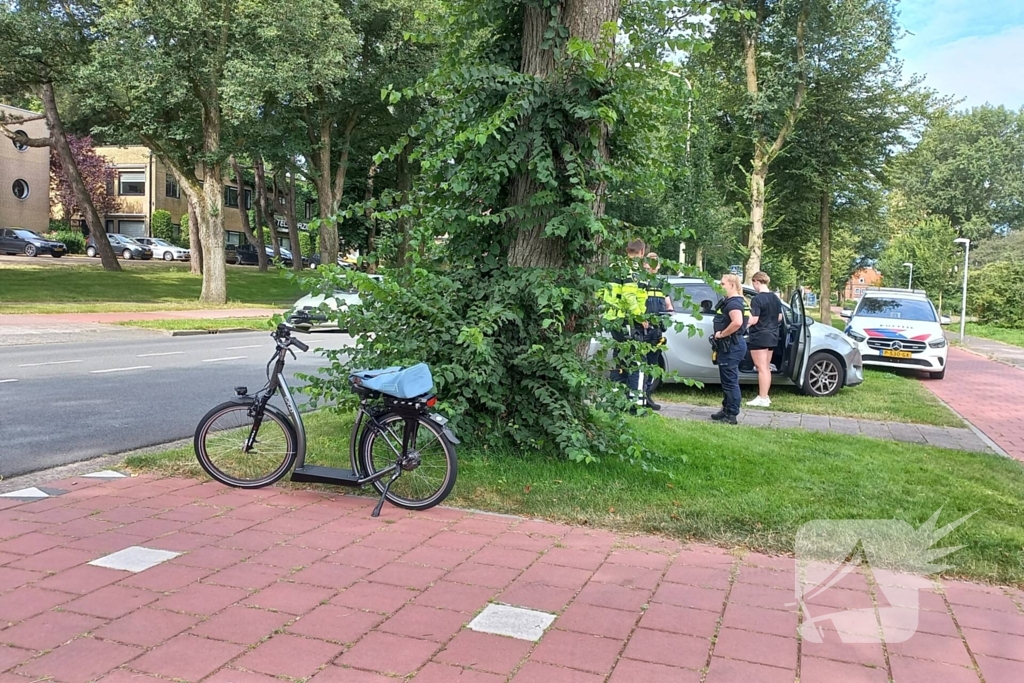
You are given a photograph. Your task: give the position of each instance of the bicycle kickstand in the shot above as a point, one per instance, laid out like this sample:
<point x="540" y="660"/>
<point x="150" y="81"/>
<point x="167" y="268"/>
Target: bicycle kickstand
<point x="384" y="493"/>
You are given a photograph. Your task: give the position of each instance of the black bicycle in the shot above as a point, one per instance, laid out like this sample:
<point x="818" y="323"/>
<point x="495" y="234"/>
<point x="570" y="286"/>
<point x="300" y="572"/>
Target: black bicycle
<point x="398" y="444"/>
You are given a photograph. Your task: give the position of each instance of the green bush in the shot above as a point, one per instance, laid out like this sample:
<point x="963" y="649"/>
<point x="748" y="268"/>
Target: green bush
<point x="160" y="225"/>
<point x="72" y="239"/>
<point x="995" y="295"/>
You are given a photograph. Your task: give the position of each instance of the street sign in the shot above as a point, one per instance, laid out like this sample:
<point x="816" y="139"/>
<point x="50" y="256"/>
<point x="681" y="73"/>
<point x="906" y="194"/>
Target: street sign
<point x="736" y="270"/>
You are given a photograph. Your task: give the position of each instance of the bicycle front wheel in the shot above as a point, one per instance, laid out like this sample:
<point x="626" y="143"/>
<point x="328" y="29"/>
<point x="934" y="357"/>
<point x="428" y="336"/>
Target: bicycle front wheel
<point x="428" y="469"/>
<point x="238" y="450"/>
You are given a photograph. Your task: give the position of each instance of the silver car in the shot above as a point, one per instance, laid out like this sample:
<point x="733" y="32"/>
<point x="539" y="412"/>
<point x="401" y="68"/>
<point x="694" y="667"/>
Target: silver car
<point x="318" y="303"/>
<point x="817" y="358"/>
<point x="163" y="249"/>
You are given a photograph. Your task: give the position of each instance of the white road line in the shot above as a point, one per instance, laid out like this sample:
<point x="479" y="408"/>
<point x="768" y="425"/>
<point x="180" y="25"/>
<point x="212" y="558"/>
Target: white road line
<point x="51" y="362"/>
<point x="5" y="381"/>
<point x="214" y="360"/>
<point x="134" y="367"/>
<point x="253" y="346"/>
<point x="165" y="353"/>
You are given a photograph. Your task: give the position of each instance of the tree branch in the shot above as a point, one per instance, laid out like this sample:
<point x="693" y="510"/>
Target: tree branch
<point x="801" y="87"/>
<point x="23" y="139"/>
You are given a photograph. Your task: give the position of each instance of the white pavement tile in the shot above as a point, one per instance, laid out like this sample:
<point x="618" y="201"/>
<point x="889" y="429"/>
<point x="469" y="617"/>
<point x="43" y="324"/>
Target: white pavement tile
<point x="134" y="559"/>
<point x="514" y="622"/>
<point x="26" y="493"/>
<point x="105" y="474"/>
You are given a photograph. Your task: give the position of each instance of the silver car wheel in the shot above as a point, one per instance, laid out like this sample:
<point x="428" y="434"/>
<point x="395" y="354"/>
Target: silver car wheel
<point x="824" y="377"/>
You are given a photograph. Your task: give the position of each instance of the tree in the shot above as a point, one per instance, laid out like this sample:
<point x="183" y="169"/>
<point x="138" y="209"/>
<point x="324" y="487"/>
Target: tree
<point x="969" y="169"/>
<point x="160" y="225"/>
<point x="97" y="175"/>
<point x="44" y="45"/>
<point x="929" y="245"/>
<point x="256" y="237"/>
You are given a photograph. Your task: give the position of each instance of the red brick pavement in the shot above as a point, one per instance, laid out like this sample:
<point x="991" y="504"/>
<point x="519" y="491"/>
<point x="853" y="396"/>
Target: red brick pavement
<point x="989" y="394"/>
<point x="296" y="585"/>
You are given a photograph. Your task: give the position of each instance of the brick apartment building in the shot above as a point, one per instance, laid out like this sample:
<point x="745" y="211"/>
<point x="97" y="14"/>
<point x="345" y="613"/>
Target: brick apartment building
<point x="860" y="281"/>
<point x="24" y="176"/>
<point x="144" y="185"/>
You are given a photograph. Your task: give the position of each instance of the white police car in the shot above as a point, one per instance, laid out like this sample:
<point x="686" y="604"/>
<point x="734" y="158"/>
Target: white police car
<point x="899" y="328"/>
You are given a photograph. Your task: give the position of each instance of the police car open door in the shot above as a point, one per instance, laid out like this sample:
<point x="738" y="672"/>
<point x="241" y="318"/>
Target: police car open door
<point x="798" y="333"/>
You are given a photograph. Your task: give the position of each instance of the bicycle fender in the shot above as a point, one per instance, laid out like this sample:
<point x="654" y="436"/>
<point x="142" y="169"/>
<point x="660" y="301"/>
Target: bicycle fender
<point x="449" y="434"/>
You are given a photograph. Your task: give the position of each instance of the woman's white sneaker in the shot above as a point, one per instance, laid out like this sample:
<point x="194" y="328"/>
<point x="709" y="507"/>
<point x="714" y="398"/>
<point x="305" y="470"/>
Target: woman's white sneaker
<point x="758" y="402"/>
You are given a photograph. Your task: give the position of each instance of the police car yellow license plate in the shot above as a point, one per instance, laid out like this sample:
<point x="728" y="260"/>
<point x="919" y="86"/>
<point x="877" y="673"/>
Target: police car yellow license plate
<point x="897" y="354"/>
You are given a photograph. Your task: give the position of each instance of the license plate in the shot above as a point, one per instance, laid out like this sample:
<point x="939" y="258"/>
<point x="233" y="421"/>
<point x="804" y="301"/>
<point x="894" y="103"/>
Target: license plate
<point x="897" y="354"/>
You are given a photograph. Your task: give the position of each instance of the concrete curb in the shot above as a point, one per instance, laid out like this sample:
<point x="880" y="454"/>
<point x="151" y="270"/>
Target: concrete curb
<point x="227" y="330"/>
<point x="977" y="432"/>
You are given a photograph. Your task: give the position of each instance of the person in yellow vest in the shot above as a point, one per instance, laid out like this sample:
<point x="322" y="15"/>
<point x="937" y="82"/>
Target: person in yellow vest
<point x="625" y="309"/>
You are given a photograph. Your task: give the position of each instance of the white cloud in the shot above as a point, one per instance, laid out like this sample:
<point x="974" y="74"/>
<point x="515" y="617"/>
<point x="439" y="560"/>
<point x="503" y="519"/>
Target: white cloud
<point x="979" y="68"/>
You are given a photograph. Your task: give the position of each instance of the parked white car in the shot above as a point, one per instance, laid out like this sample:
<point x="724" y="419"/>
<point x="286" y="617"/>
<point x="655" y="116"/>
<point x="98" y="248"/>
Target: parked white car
<point x="164" y="249"/>
<point x="899" y="328"/>
<point x="317" y="303"/>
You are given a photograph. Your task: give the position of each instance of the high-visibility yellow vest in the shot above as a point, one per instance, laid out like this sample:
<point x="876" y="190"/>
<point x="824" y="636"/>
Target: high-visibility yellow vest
<point x="625" y="301"/>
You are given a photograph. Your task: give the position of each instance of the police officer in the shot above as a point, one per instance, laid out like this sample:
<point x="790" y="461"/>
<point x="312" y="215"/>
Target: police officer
<point x="624" y="312"/>
<point x="730" y="324"/>
<point x="656" y="304"/>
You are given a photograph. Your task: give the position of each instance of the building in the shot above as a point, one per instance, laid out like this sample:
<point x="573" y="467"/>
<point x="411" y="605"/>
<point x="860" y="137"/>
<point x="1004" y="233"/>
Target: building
<point x="860" y="281"/>
<point x="24" y="176"/>
<point x="144" y="185"/>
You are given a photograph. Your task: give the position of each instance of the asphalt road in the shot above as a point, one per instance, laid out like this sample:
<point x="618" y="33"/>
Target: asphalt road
<point x="63" y="403"/>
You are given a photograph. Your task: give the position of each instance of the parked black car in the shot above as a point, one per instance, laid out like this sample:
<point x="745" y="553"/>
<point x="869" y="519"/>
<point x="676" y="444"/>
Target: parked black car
<point x="123" y="245"/>
<point x="246" y="255"/>
<point x="21" y="241"/>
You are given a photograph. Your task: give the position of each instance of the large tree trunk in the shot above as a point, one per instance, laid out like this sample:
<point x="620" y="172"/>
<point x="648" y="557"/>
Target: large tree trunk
<point x="371" y="233"/>
<point x="59" y="141"/>
<point x="765" y="151"/>
<point x="293" y="225"/>
<point x="243" y="212"/>
<point x="530" y="247"/>
<point x="275" y="182"/>
<point x="826" y="257"/>
<point x="699" y="262"/>
<point x="211" y="236"/>
<point x="404" y="182"/>
<point x="264" y="214"/>
<point x="329" y="179"/>
<point x="195" y="245"/>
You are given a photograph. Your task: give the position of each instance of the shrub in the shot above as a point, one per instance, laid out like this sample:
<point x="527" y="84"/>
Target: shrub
<point x="994" y="294"/>
<point x="72" y="239"/>
<point x="160" y="225"/>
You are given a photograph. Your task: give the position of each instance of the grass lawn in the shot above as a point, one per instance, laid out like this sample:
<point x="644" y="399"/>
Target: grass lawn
<point x="733" y="486"/>
<point x="885" y="395"/>
<point x="87" y="289"/>
<point x="1002" y="334"/>
<point x="203" y="324"/>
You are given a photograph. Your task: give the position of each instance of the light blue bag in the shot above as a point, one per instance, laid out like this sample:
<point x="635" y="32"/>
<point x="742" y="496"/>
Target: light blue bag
<point x="399" y="382"/>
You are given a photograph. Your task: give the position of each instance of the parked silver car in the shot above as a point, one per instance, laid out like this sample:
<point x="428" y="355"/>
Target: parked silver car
<point x="318" y="303"/>
<point x="817" y="358"/>
<point x="163" y="249"/>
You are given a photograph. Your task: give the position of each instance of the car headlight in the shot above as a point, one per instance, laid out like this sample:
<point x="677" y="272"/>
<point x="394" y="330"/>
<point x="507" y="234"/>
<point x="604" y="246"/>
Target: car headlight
<point x="939" y="343"/>
<point x="856" y="336"/>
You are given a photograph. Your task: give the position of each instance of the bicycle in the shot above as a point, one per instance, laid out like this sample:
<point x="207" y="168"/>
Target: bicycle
<point x="248" y="443"/>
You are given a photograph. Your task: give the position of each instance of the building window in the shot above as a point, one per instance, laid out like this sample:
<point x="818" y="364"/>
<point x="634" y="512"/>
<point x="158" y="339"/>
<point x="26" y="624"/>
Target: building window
<point x="231" y="196"/>
<point x="309" y="210"/>
<point x="132" y="184"/>
<point x="234" y="238"/>
<point x="857" y="291"/>
<point x="860" y="280"/>
<point x="248" y="199"/>
<point x="20" y="146"/>
<point x="280" y="200"/>
<point x="171" y="188"/>
<point x="20" y="189"/>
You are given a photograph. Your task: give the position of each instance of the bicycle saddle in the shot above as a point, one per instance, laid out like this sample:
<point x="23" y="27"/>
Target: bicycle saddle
<point x="399" y="382"/>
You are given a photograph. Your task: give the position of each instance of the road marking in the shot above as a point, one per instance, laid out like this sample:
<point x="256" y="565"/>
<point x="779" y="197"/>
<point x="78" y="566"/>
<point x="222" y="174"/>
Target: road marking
<point x="165" y="353"/>
<point x="5" y="381"/>
<point x="134" y="367"/>
<point x="253" y="346"/>
<point x="214" y="360"/>
<point x="51" y="362"/>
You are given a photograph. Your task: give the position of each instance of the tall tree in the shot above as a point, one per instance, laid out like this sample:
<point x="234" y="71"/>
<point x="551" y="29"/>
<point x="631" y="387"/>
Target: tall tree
<point x="97" y="174"/>
<point x="43" y="46"/>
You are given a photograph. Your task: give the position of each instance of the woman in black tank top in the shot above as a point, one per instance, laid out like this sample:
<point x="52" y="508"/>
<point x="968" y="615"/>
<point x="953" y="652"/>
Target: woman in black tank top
<point x="763" y="336"/>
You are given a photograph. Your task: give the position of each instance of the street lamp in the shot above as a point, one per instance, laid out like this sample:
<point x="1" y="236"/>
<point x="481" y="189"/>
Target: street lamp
<point x="910" y="282"/>
<point x="963" y="305"/>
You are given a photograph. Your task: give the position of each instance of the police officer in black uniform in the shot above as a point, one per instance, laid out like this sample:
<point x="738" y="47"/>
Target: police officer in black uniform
<point x="730" y="347"/>
<point x="657" y="303"/>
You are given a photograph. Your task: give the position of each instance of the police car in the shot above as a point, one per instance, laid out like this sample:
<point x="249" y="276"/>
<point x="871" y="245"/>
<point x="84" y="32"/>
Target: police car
<point x="899" y="328"/>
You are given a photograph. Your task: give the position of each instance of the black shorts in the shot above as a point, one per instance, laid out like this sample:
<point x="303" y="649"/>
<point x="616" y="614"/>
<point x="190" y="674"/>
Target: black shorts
<point x="757" y="342"/>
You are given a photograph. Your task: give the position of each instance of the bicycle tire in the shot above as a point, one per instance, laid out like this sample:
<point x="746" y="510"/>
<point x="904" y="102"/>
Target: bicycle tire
<point x="371" y="437"/>
<point x="241" y="410"/>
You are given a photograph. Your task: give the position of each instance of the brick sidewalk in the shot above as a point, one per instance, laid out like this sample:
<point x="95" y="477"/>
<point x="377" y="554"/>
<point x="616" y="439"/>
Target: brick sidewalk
<point x="282" y="584"/>
<point x="957" y="438"/>
<point x="987" y="393"/>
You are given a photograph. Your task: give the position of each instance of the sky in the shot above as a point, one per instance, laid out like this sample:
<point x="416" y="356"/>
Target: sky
<point x="973" y="49"/>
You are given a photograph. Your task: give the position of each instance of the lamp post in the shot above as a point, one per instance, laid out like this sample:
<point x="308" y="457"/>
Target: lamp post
<point x="963" y="304"/>
<point x="910" y="282"/>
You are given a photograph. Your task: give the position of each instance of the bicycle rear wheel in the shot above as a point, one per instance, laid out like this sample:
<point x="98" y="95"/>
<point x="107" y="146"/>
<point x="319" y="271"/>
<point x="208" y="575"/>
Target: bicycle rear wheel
<point x="430" y="471"/>
<point x="223" y="434"/>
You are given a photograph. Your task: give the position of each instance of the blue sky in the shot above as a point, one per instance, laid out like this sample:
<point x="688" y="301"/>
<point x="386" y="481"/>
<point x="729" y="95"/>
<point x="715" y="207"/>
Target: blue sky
<point x="973" y="49"/>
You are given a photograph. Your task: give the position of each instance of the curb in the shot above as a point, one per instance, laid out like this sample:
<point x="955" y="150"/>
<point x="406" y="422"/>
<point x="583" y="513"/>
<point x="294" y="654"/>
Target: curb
<point x="226" y="330"/>
<point x="977" y="432"/>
